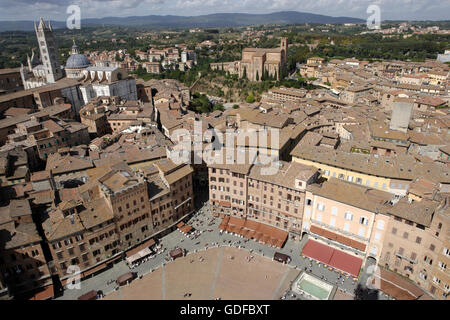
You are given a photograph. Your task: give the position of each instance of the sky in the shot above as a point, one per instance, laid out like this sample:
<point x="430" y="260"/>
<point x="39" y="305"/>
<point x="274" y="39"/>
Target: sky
<point x="57" y="9"/>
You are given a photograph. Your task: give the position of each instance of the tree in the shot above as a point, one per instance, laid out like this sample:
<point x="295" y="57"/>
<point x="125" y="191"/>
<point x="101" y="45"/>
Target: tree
<point x="219" y="106"/>
<point x="140" y="70"/>
<point x="250" y="98"/>
<point x="117" y="57"/>
<point x="244" y="74"/>
<point x="235" y="106"/>
<point x="257" y="75"/>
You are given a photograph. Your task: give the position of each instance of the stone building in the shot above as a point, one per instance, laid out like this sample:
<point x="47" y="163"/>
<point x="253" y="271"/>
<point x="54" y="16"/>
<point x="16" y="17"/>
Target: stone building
<point x="10" y="80"/>
<point x="38" y="73"/>
<point x="76" y="63"/>
<point x="107" y="81"/>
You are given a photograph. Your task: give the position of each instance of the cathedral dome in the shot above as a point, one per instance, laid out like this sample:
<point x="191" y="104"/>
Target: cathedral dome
<point x="77" y="61"/>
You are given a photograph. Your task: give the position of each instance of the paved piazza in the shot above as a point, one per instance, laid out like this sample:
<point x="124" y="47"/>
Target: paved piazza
<point x="217" y="276"/>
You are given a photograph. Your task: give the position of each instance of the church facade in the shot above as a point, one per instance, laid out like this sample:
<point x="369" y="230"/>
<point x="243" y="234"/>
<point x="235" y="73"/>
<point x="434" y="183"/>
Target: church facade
<point x="258" y="63"/>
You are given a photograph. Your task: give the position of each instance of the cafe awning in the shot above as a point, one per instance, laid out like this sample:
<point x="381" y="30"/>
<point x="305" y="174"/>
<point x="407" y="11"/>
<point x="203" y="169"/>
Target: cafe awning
<point x="318" y="251"/>
<point x="142" y="246"/>
<point x="186" y="228"/>
<point x="180" y="225"/>
<point x="346" y="262"/>
<point x="123" y="279"/>
<point x="91" y="295"/>
<point x="176" y="253"/>
<point x="333" y="257"/>
<point x="45" y="294"/>
<point x="281" y="257"/>
<point x="141" y="254"/>
<point x="94" y="269"/>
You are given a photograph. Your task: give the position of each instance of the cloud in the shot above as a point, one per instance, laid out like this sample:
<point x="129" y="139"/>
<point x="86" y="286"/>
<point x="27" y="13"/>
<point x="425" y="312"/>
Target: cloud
<point x="55" y="9"/>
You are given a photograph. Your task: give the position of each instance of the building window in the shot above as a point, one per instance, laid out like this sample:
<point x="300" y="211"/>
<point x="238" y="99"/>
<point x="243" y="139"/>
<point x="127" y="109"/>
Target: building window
<point x="364" y="221"/>
<point x="380" y="225"/>
<point x="319" y="217"/>
<point x="418" y="240"/>
<point x="320" y="207"/>
<point x="348" y="216"/>
<point x="374" y="250"/>
<point x="361" y="232"/>
<point x="332" y="222"/>
<point x="334" y="211"/>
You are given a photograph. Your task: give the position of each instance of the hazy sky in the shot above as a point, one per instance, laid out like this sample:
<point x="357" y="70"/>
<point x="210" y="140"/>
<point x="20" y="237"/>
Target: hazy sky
<point x="56" y="9"/>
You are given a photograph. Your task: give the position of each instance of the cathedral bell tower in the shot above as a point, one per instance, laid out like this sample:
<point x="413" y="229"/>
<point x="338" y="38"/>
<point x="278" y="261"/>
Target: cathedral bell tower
<point x="49" y="52"/>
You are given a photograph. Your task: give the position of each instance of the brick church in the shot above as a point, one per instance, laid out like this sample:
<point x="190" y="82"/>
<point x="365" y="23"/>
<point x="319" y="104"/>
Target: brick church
<point x="257" y="62"/>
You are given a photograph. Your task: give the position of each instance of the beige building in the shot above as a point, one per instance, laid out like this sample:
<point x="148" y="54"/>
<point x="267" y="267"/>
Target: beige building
<point x="347" y="217"/>
<point x="117" y="210"/>
<point x="407" y="235"/>
<point x="246" y="191"/>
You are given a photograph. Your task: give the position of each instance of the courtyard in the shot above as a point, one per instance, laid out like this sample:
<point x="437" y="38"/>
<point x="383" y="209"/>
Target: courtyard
<point x="223" y="272"/>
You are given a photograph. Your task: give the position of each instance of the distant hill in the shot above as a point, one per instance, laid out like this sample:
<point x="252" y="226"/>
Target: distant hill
<point x="203" y="21"/>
